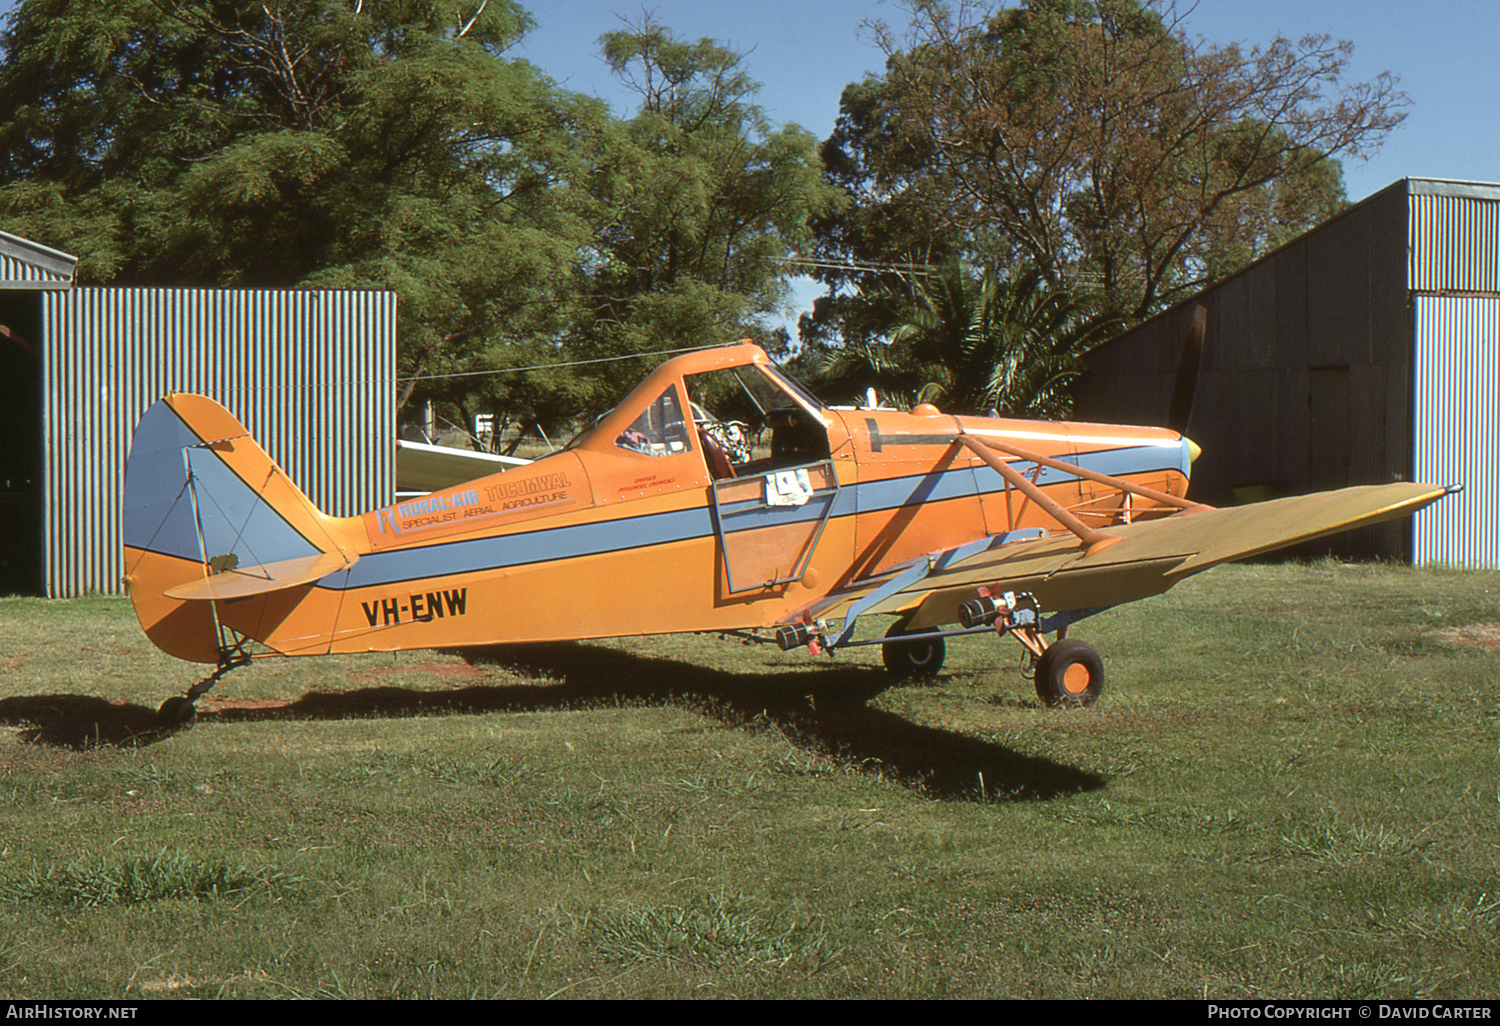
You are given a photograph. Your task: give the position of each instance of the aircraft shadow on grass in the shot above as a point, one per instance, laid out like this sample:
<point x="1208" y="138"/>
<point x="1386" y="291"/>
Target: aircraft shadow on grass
<point x="825" y="711"/>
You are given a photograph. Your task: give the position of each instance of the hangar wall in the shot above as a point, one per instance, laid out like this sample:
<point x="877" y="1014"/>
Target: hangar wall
<point x="310" y="374"/>
<point x="1314" y="375"/>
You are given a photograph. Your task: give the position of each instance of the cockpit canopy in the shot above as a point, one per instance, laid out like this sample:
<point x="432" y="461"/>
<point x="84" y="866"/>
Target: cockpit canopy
<point x="724" y="403"/>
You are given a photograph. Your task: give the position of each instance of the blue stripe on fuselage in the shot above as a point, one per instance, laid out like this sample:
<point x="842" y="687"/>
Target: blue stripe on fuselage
<point x="477" y="555"/>
<point x="162" y="514"/>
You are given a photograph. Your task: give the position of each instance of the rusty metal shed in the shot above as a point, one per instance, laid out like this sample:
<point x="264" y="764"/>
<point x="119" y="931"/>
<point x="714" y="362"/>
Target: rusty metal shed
<point x="1365" y="351"/>
<point x="309" y="373"/>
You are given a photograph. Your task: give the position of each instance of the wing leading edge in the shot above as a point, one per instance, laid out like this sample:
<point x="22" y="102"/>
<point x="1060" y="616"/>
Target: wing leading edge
<point x="1148" y="559"/>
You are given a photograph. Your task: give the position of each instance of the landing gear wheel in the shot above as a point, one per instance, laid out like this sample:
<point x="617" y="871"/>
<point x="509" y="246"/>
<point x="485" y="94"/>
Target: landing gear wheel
<point x="1069" y="673"/>
<point x="904" y="659"/>
<point x="177" y="713"/>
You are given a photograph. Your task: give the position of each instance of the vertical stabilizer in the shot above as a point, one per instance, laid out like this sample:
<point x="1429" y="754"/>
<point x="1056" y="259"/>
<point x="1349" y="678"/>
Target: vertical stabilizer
<point x="209" y="517"/>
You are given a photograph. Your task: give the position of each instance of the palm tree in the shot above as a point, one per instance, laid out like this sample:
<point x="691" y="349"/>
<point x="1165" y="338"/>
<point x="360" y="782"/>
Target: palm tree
<point x="1012" y="345"/>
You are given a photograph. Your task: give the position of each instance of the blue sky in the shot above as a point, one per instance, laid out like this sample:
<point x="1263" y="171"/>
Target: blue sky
<point x="803" y="52"/>
<point x="1446" y="52"/>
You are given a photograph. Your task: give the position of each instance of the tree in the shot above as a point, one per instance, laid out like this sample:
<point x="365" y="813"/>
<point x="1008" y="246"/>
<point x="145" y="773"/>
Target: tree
<point x="354" y="144"/>
<point x="701" y="199"/>
<point x="1094" y="139"/>
<point x="316" y="143"/>
<point x="871" y="253"/>
<point x="976" y="343"/>
<point x="693" y="203"/>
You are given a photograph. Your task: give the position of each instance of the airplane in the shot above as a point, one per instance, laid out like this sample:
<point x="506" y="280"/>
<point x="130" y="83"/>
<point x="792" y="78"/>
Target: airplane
<point x="648" y="522"/>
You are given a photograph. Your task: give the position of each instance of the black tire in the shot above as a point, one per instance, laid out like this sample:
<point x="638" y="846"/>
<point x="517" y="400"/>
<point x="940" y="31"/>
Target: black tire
<point x="177" y="713"/>
<point x="907" y="659"/>
<point x="1070" y="673"/>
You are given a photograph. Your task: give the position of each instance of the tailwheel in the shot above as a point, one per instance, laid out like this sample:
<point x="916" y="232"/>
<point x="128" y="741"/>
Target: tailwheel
<point x="177" y="713"/>
<point x="180" y="712"/>
<point x="1069" y="673"/>
<point x="922" y="657"/>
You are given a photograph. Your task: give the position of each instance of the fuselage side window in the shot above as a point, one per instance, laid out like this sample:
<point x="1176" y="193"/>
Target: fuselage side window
<point x="660" y="430"/>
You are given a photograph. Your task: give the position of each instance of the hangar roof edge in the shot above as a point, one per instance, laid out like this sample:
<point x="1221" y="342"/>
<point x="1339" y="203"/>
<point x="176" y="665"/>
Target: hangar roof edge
<point x="1449" y="187"/>
<point x="30" y="265"/>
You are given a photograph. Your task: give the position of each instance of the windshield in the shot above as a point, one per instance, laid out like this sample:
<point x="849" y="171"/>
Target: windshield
<point x="748" y="393"/>
<point x="794" y="386"/>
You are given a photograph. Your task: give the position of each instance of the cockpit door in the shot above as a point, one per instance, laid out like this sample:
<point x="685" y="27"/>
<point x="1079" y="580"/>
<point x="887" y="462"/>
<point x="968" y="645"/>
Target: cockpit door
<point x="768" y="525"/>
<point x="774" y="488"/>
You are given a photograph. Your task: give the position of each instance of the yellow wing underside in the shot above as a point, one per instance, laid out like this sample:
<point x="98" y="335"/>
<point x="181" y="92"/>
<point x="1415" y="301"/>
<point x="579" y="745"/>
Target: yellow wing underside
<point x="1149" y="558"/>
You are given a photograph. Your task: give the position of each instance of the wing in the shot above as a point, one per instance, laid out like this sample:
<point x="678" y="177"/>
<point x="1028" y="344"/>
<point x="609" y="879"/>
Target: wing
<point x="428" y="468"/>
<point x="1146" y="559"/>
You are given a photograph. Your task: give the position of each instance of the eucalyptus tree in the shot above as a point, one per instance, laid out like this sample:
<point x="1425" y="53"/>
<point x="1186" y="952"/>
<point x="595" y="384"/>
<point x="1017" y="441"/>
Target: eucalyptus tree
<point x="701" y="198"/>
<point x="693" y="201"/>
<point x="1097" y="140"/>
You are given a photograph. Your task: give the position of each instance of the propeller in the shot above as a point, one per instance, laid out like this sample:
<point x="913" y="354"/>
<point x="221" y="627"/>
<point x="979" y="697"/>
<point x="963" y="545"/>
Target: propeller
<point x="1187" y="372"/>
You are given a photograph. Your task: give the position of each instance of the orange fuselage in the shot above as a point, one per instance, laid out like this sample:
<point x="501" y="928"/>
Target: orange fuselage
<point x="603" y="539"/>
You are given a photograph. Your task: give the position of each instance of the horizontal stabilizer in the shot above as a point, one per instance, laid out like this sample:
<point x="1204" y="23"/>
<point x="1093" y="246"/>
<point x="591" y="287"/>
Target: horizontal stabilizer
<point x="242" y="582"/>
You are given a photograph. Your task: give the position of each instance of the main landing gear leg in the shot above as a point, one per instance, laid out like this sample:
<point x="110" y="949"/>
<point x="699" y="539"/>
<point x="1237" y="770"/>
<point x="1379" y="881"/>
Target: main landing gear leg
<point x="1068" y="672"/>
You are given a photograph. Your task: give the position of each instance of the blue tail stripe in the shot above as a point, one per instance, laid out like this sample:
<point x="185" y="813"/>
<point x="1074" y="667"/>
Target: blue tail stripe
<point x="158" y="511"/>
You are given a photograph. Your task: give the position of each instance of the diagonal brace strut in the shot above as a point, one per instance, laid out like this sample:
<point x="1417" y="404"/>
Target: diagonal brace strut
<point x="1093" y="539"/>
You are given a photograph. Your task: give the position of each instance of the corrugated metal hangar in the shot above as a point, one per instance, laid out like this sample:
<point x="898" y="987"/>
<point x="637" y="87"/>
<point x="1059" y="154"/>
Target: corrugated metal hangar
<point x="1367" y="350"/>
<point x="310" y="373"/>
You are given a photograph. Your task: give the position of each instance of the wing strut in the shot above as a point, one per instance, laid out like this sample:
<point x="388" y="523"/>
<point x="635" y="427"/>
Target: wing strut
<point x="1093" y="539"/>
<point x="1083" y="472"/>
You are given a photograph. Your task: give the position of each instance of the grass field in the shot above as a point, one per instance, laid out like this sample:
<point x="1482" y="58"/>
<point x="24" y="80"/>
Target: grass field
<point x="1290" y="789"/>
